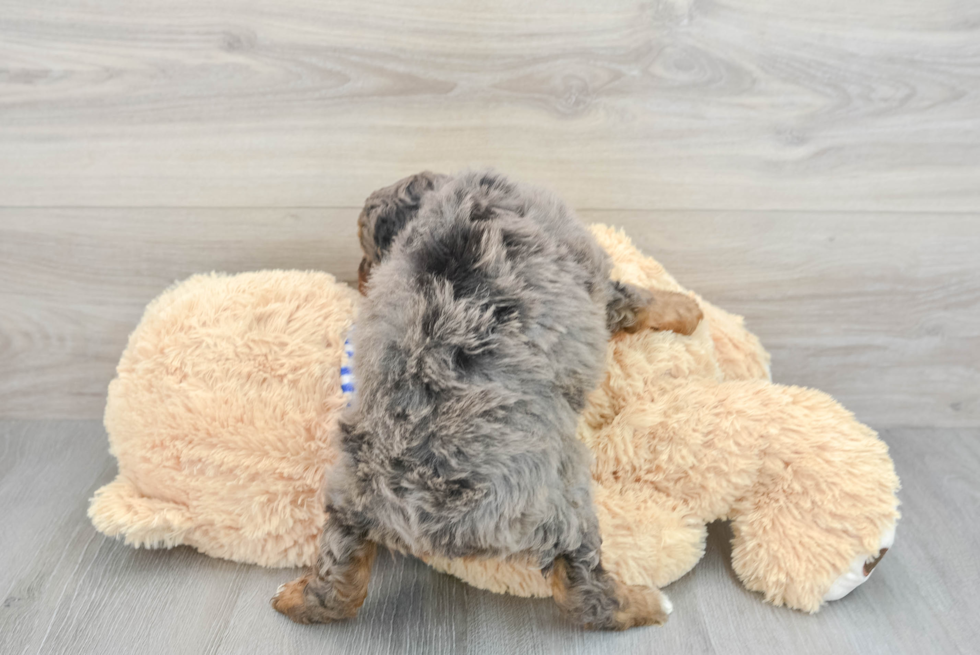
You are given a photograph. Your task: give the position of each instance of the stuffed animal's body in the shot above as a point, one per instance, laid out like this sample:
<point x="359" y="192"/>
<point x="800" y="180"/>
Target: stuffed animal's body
<point x="222" y="413"/>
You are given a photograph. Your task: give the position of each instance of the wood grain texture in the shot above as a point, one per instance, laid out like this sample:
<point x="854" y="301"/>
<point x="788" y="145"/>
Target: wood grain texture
<point x="67" y="589"/>
<point x="880" y="310"/>
<point x="703" y="104"/>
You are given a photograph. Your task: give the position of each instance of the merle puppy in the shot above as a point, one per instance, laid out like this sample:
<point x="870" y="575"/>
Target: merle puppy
<point x="487" y="311"/>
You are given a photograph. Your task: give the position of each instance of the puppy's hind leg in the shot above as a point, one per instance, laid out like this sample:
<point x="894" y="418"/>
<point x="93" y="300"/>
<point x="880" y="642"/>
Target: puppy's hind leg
<point x="590" y="596"/>
<point x="631" y="309"/>
<point x="337" y="586"/>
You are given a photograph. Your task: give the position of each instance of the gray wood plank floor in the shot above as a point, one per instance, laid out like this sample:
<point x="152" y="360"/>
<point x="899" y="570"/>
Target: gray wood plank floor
<point x="67" y="589"/>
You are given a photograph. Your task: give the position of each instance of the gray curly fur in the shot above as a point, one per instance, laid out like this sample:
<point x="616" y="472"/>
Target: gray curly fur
<point x="484" y="327"/>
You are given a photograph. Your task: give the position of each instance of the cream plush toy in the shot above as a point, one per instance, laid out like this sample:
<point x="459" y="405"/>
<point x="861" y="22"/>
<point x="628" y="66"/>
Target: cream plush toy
<point x="222" y="411"/>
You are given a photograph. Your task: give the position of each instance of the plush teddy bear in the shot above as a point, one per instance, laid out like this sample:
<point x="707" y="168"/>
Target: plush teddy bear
<point x="222" y="411"/>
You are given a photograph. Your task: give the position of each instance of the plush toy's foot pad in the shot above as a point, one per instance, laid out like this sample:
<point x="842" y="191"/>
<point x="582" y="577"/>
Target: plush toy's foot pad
<point x="860" y="569"/>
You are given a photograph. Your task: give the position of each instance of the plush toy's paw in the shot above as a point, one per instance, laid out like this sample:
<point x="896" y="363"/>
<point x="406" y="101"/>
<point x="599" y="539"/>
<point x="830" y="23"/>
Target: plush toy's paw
<point x="670" y="311"/>
<point x="296" y="602"/>
<point x="641" y="606"/>
<point x="860" y="569"/>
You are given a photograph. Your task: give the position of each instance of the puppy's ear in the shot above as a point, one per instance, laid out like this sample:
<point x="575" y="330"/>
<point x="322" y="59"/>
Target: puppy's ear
<point x="387" y="211"/>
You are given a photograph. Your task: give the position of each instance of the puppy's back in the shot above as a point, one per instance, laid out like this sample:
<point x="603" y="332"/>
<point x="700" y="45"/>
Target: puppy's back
<point x="481" y="334"/>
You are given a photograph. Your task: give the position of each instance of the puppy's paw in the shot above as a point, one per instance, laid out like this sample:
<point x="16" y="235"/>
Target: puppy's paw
<point x="670" y="311"/>
<point x="315" y="600"/>
<point x="290" y="600"/>
<point x="641" y="606"/>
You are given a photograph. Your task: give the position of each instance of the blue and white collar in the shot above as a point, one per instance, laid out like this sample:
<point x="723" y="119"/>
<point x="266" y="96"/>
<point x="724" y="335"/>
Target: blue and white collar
<point x="347" y="370"/>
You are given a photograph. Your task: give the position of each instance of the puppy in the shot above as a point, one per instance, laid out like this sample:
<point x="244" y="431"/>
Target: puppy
<point x="484" y="326"/>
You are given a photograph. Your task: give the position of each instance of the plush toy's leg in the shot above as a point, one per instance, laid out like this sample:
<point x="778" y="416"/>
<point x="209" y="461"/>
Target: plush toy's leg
<point x="337" y="586"/>
<point x="780" y="550"/>
<point x="807" y="487"/>
<point x="590" y="596"/>
<point x="632" y="309"/>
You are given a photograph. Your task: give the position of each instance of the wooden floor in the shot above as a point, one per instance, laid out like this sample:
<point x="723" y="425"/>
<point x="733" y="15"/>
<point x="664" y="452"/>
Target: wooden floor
<point x="811" y="164"/>
<point x="66" y="589"/>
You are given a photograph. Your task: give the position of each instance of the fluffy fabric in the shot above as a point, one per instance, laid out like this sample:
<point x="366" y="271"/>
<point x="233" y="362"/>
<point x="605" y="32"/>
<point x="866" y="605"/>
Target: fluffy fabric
<point x="221" y="414"/>
<point x="227" y="395"/>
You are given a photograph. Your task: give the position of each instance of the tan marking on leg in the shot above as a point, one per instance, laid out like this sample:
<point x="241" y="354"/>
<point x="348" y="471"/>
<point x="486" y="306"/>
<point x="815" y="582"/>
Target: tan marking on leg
<point x="290" y="600"/>
<point x="669" y="311"/>
<point x="334" y="595"/>
<point x="640" y="606"/>
<point x="559" y="584"/>
<point x="363" y="273"/>
<point x="351" y="584"/>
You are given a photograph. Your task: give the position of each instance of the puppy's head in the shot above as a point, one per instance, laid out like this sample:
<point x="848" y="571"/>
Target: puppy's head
<point x="386" y="212"/>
